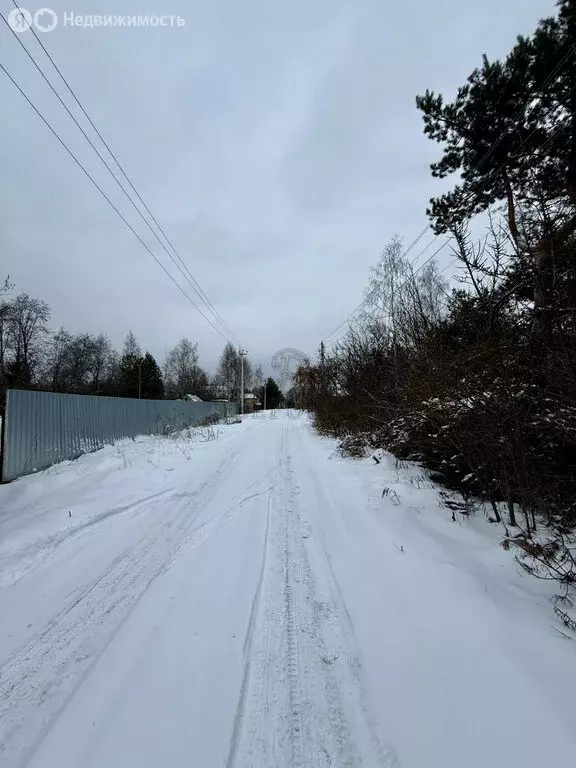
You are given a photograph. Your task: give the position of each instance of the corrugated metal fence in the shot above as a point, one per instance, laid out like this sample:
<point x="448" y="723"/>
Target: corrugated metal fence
<point x="42" y="428"/>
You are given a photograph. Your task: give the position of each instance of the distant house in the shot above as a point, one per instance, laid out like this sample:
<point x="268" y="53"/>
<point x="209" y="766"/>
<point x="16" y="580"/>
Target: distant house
<point x="251" y="402"/>
<point x="193" y="398"/>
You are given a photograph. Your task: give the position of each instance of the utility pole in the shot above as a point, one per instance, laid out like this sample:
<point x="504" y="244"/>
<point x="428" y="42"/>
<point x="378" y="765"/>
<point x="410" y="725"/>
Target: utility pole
<point x="139" y="378"/>
<point x="265" y="385"/>
<point x="242" y="353"/>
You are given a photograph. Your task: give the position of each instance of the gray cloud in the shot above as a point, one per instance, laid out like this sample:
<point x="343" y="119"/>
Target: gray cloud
<point x="278" y="144"/>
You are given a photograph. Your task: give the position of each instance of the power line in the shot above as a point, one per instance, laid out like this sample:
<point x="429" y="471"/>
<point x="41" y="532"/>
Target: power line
<point x="486" y="155"/>
<point x="180" y="264"/>
<point x="523" y="110"/>
<point x="504" y="133"/>
<point x="189" y="277"/>
<point x="516" y="120"/>
<point x="105" y="196"/>
<point x="415" y="241"/>
<point x="334" y="336"/>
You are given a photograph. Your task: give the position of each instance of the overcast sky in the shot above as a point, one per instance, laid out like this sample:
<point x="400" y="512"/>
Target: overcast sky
<point x="277" y="143"/>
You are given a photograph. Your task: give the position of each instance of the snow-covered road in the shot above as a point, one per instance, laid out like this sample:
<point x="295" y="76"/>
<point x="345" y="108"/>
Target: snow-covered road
<point x="256" y="600"/>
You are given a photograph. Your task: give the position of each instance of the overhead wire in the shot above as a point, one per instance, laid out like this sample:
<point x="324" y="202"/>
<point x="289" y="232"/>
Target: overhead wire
<point x="176" y="258"/>
<point x="335" y="334"/>
<point x="105" y="196"/>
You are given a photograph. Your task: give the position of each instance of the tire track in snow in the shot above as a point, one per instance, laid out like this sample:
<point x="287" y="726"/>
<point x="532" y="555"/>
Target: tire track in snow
<point x="294" y="652"/>
<point x="259" y="737"/>
<point x="39" y="679"/>
<point x="258" y="695"/>
<point x="37" y="553"/>
<point x="342" y="626"/>
<point x="247" y="653"/>
<point x="302" y="699"/>
<point x="326" y="740"/>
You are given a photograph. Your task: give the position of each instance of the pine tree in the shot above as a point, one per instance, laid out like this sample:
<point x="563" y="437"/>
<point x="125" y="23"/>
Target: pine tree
<point x="129" y="381"/>
<point x="152" y="385"/>
<point x="274" y="396"/>
<point x="510" y="134"/>
<point x="511" y="130"/>
<point x="128" y="376"/>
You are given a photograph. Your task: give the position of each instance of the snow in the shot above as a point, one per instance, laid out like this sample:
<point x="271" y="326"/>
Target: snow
<point x="244" y="596"/>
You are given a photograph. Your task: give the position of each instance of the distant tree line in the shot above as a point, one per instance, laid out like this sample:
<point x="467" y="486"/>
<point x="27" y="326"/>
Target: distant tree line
<point x="478" y="383"/>
<point x="32" y="356"/>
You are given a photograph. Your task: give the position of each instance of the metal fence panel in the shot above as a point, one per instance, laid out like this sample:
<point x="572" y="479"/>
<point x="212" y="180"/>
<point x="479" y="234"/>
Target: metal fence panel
<point x="42" y="428"/>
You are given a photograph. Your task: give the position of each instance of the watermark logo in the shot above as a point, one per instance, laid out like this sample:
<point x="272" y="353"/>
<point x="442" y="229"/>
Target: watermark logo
<point x="286" y="362"/>
<point x="46" y="20"/>
<point x="20" y="20"/>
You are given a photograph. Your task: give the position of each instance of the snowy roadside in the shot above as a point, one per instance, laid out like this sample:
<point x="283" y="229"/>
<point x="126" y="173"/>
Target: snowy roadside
<point x="62" y="527"/>
<point x="429" y="513"/>
<point x="40" y="511"/>
<point x="259" y="599"/>
<point x="462" y="648"/>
